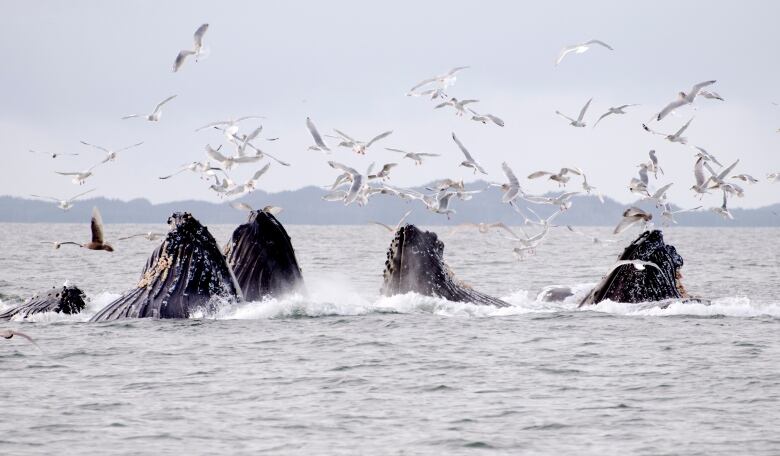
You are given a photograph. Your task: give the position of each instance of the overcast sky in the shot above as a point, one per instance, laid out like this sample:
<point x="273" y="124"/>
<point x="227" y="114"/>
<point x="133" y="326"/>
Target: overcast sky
<point x="70" y="70"/>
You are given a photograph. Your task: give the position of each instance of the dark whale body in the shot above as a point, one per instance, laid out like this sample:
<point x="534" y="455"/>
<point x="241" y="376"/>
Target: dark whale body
<point x="183" y="274"/>
<point x="67" y="300"/>
<point x="262" y="258"/>
<point x="627" y="284"/>
<point x="415" y="262"/>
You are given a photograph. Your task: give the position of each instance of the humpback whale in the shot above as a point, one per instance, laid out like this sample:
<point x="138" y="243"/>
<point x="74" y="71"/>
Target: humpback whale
<point x="415" y="263"/>
<point x="262" y="257"/>
<point x="182" y="275"/>
<point x="67" y="300"/>
<point x="628" y="283"/>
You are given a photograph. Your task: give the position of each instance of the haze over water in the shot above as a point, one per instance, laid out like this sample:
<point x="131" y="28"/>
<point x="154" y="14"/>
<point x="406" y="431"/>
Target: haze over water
<point x="342" y="370"/>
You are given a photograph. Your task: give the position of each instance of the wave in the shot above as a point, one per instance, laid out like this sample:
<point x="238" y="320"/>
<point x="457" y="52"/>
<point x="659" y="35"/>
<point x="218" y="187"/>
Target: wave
<point x="324" y="298"/>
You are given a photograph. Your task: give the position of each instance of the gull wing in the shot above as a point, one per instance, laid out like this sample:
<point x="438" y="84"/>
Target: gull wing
<point x="697" y="87"/>
<point x="625" y="223"/>
<point x="214" y="154"/>
<point x="509" y="174"/>
<point x="462" y="148"/>
<point x="96" y="226"/>
<point x="495" y="120"/>
<point x="565" y="116"/>
<point x="422" y="83"/>
<point x="600" y="43"/>
<point x="387" y="227"/>
<point x="671" y="107"/>
<point x="241" y="206"/>
<point x="660" y="192"/>
<point x="260" y="172"/>
<point x="344" y="135"/>
<point x="160" y="104"/>
<point x="351" y="171"/>
<point x="46" y="197"/>
<point x="73" y="198"/>
<point x="539" y="174"/>
<point x="582" y="111"/>
<point x="316" y="135"/>
<point x="131" y="116"/>
<point x="198" y="35"/>
<point x="96" y="147"/>
<point x="378" y="137"/>
<point x="180" y="58"/>
<point x="564" y="52"/>
<point x="602" y="116"/>
<point x="129" y="147"/>
<point x="683" y="128"/>
<point x="726" y="171"/>
<point x="456" y="69"/>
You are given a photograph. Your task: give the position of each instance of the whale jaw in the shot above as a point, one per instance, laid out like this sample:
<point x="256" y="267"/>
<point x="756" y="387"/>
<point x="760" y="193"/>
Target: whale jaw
<point x="629" y="285"/>
<point x="67" y="300"/>
<point x="415" y="263"/>
<point x="184" y="274"/>
<point x="262" y="258"/>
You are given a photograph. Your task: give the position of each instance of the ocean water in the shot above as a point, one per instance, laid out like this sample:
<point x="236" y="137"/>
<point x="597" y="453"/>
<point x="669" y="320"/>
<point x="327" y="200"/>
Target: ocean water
<point x="342" y="370"/>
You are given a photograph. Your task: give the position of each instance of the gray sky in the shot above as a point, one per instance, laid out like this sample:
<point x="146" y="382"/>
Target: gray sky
<point x="72" y="69"/>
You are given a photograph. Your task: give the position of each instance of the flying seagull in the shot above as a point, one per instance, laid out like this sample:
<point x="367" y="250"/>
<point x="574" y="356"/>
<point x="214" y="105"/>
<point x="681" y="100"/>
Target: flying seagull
<point x="683" y="98"/>
<point x="579" y="49"/>
<point x="155" y="115"/>
<point x="196" y="50"/>
<point x="578" y="122"/>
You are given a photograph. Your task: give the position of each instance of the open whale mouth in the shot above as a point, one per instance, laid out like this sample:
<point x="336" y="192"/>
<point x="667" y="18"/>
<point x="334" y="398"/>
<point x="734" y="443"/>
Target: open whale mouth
<point x="626" y="283"/>
<point x="415" y="263"/>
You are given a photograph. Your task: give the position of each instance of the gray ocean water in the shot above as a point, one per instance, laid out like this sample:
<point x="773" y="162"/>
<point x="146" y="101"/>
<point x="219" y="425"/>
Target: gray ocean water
<point x="345" y="371"/>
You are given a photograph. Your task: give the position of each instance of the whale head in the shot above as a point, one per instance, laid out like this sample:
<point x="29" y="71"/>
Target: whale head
<point x="626" y="283"/>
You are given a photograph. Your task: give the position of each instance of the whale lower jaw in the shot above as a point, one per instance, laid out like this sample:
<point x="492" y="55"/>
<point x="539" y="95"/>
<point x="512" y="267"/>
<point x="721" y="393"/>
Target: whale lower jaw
<point x="415" y="264"/>
<point x="67" y="300"/>
<point x="629" y="285"/>
<point x="262" y="258"/>
<point x="184" y="274"/>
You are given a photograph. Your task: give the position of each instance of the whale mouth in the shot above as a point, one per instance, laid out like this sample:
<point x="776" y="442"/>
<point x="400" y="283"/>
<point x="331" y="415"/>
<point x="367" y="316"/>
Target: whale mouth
<point x="415" y="263"/>
<point x="628" y="284"/>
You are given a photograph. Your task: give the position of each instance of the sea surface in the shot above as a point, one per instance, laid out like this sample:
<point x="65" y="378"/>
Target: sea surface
<point x="342" y="370"/>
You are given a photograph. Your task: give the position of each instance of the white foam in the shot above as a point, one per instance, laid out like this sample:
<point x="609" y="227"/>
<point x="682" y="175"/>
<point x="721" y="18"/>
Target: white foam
<point x="737" y="306"/>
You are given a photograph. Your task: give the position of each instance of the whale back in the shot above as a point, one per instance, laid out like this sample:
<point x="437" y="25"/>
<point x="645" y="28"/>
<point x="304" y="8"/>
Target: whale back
<point x="183" y="274"/>
<point x="627" y="284"/>
<point x="415" y="263"/>
<point x="67" y="300"/>
<point x="262" y="258"/>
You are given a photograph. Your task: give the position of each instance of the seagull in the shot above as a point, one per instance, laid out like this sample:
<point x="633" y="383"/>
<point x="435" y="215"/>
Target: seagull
<point x="196" y="51"/>
<point x="441" y="204"/>
<point x="444" y="80"/>
<point x="632" y="216"/>
<point x="700" y="187"/>
<point x="773" y="177"/>
<point x="10" y="333"/>
<point x="395" y="228"/>
<point x="358" y="181"/>
<point x="228" y="162"/>
<point x="676" y="137"/>
<point x="151" y="236"/>
<point x="578" y="122"/>
<point x="683" y="99"/>
<point x="719" y="178"/>
<point x="707" y="156"/>
<point x="723" y="211"/>
<point x="79" y="177"/>
<point x="444" y="184"/>
<point x="52" y="154"/>
<point x="484" y="118"/>
<point x="615" y="110"/>
<point x="561" y="200"/>
<point x="652" y="165"/>
<point x="360" y="147"/>
<point x="588" y="188"/>
<point x="560" y="177"/>
<point x="512" y="188"/>
<point x="383" y="173"/>
<point x="579" y="49"/>
<point x="659" y="196"/>
<point x="710" y="95"/>
<point x="745" y="178"/>
<point x="155" y="115"/>
<point x="196" y="167"/>
<point x="111" y="155"/>
<point x="416" y="156"/>
<point x="469" y="162"/>
<point x="64" y="204"/>
<point x="459" y="105"/>
<point x="249" y="186"/>
<point x="96" y="227"/>
<point x="319" y="143"/>
<point x="230" y="126"/>
<point x="668" y="213"/>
